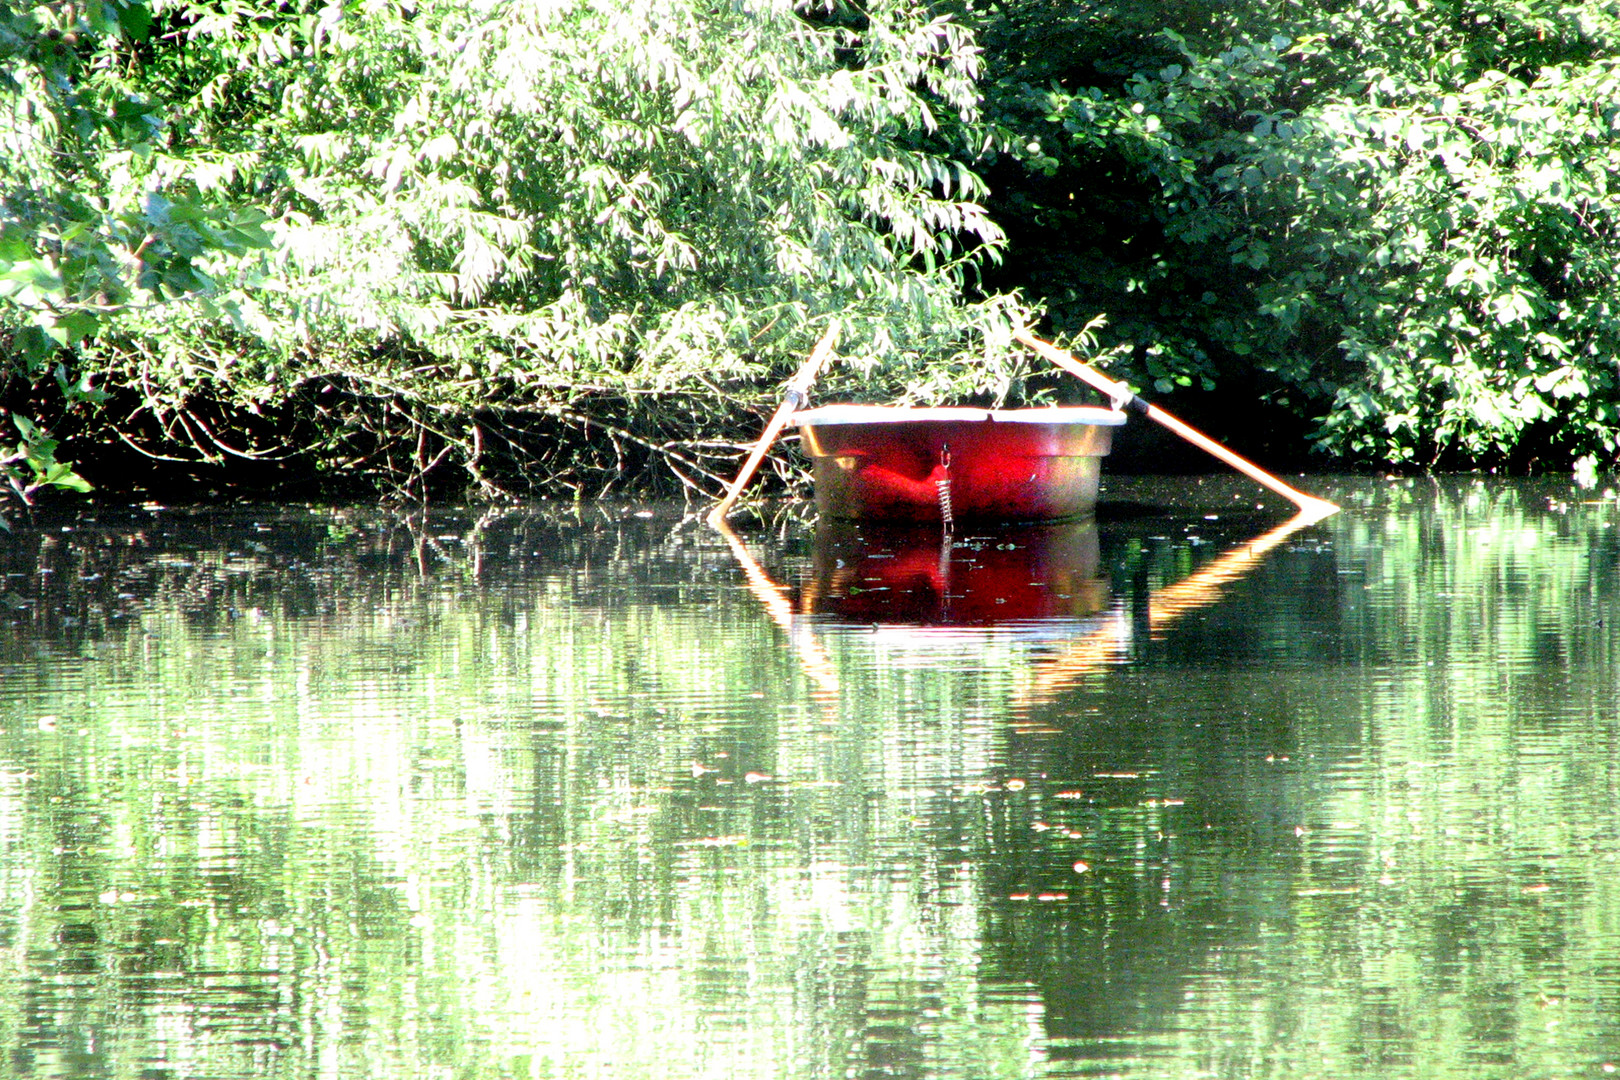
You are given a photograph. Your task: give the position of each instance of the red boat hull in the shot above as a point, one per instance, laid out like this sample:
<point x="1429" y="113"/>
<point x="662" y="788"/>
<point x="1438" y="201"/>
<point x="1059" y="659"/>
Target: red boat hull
<point x="889" y="464"/>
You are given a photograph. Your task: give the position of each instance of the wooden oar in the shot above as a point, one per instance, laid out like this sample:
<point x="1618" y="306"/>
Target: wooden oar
<point x="798" y="387"/>
<point x="1122" y="396"/>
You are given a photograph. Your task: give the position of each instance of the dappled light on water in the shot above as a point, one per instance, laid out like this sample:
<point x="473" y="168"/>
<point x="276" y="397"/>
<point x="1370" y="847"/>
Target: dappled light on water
<point x="1194" y="790"/>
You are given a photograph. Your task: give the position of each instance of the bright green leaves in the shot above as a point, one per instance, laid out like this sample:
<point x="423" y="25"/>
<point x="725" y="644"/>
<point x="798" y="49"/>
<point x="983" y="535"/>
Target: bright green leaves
<point x="129" y="19"/>
<point x="1480" y="312"/>
<point x="30" y="464"/>
<point x="1417" y="230"/>
<point x="100" y="223"/>
<point x="177" y="234"/>
<point x="508" y="210"/>
<point x="544" y="177"/>
<point x="36" y="453"/>
<point x="29" y="281"/>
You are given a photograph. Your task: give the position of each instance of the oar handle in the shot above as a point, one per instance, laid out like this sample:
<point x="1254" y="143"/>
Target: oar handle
<point x="797" y="389"/>
<point x="1116" y="391"/>
<point x="1122" y="395"/>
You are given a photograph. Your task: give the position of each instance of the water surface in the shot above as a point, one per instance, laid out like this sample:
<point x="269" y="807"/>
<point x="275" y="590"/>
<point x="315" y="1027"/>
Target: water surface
<point x="546" y="792"/>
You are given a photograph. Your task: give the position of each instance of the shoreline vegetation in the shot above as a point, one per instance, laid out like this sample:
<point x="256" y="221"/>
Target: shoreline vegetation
<point x="434" y="249"/>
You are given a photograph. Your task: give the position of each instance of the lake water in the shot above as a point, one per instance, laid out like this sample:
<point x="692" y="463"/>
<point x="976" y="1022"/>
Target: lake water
<point x="556" y="793"/>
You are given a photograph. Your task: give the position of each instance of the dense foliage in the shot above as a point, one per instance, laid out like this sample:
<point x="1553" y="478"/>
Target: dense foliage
<point x="555" y="236"/>
<point x="90" y="229"/>
<point x="1395" y="215"/>
<point x="553" y="242"/>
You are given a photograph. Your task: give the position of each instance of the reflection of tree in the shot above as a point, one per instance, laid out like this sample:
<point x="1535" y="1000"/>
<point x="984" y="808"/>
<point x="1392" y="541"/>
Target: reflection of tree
<point x="1135" y="835"/>
<point x="1105" y="947"/>
<point x="1369" y="838"/>
<point x="249" y="822"/>
<point x="490" y="799"/>
<point x="149" y="913"/>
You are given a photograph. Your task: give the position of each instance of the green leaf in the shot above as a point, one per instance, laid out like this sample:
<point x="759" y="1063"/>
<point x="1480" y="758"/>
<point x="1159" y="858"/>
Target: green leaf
<point x="41" y="275"/>
<point x="134" y="19"/>
<point x="60" y="474"/>
<point x="72" y="327"/>
<point x="79" y="390"/>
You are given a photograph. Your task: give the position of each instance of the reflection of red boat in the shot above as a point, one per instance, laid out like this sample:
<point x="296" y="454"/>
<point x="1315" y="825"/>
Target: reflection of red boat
<point x="891" y="574"/>
<point x="877" y="462"/>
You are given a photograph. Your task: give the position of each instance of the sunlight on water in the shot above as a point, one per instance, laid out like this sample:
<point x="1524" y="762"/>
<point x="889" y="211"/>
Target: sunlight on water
<point x="338" y="793"/>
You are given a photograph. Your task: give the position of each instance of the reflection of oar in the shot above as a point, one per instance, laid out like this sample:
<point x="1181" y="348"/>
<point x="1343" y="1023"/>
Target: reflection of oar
<point x="813" y="659"/>
<point x="1122" y="395"/>
<point x="1107" y="645"/>
<point x="791" y="401"/>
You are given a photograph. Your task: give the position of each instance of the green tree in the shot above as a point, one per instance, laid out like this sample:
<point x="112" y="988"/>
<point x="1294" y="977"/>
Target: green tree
<point x="551" y="241"/>
<point x="1394" y="216"/>
<point x="94" y="225"/>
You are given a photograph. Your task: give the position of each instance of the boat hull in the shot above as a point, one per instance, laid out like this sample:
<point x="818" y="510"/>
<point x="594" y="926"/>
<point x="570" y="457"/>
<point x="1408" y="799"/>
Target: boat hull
<point x="879" y="463"/>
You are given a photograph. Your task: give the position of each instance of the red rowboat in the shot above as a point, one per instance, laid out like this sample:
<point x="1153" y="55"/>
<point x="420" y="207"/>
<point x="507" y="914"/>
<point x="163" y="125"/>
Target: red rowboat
<point x="893" y="464"/>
